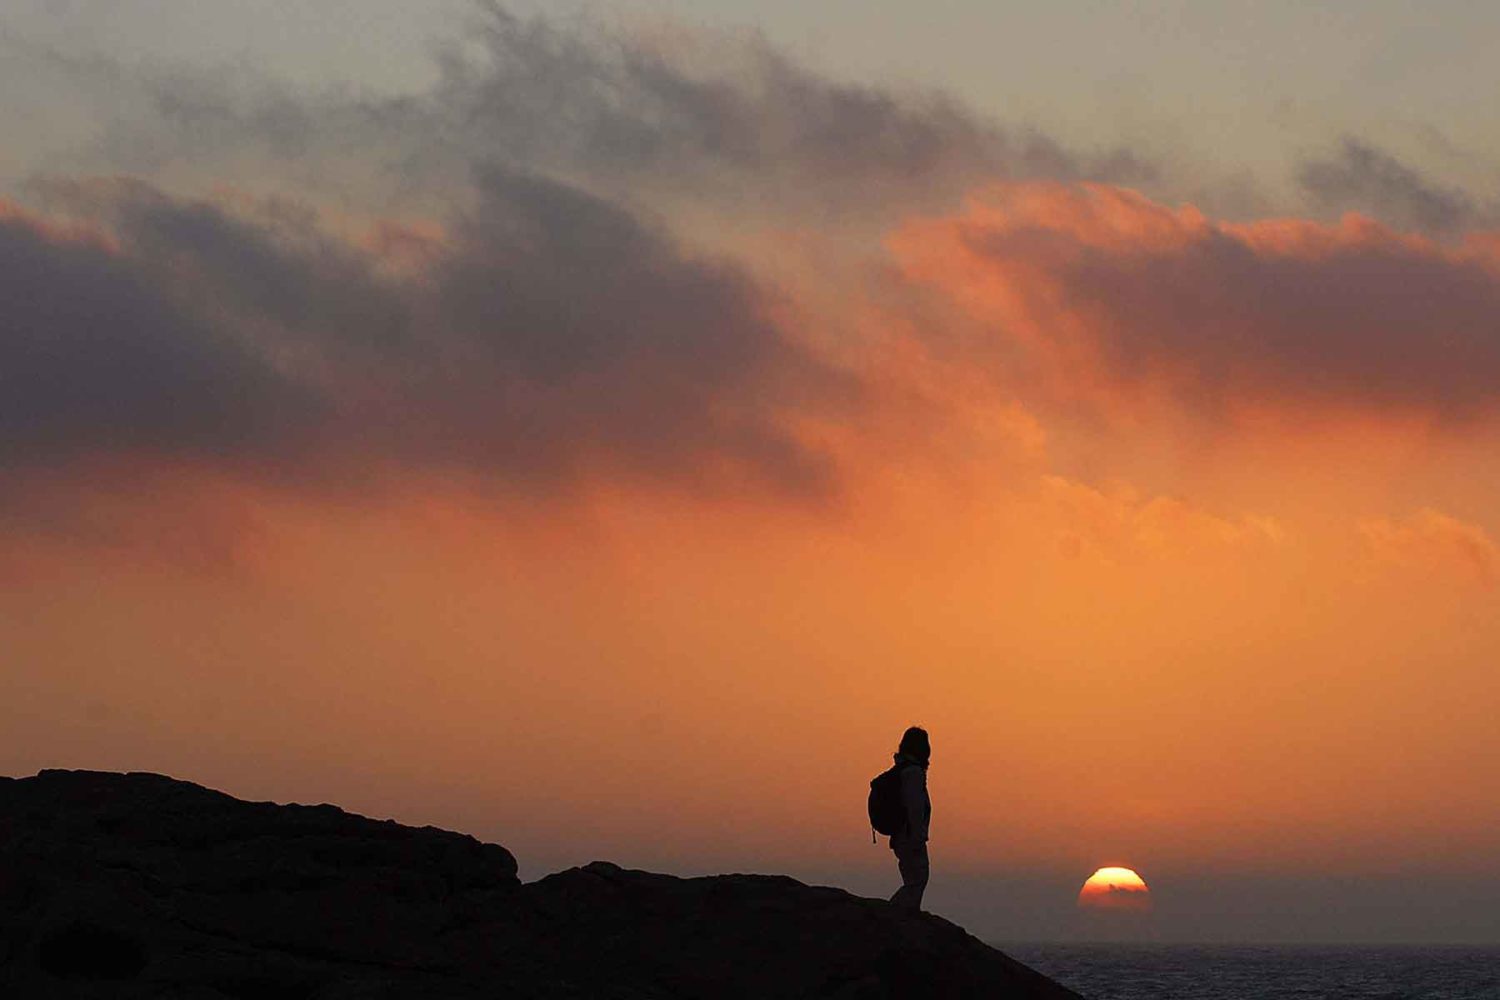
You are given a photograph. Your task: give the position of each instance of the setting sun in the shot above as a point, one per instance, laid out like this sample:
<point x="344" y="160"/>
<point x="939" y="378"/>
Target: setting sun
<point x="1115" y="888"/>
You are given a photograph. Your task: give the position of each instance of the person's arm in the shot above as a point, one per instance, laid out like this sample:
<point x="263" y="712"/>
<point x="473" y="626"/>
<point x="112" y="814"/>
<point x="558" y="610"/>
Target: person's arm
<point x="914" y="797"/>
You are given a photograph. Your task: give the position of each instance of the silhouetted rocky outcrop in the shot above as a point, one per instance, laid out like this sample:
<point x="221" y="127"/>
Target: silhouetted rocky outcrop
<point x="136" y="885"/>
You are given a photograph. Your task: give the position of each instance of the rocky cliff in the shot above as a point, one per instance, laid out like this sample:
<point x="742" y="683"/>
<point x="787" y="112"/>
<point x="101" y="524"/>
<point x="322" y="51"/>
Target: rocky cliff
<point x="136" y="885"/>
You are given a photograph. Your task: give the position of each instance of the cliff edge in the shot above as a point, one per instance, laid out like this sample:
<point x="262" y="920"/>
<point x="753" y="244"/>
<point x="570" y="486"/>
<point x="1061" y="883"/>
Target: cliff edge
<point x="137" y="885"/>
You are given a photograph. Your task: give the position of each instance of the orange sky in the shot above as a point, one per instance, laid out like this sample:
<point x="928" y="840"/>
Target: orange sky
<point x="635" y="521"/>
<point x="1103" y="670"/>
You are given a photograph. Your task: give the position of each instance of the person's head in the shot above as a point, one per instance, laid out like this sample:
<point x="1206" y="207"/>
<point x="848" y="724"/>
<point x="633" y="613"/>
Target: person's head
<point x="914" y="744"/>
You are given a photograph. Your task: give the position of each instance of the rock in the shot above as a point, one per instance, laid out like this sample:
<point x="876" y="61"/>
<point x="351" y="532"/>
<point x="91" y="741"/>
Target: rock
<point x="756" y="936"/>
<point x="80" y="949"/>
<point x="136" y="885"/>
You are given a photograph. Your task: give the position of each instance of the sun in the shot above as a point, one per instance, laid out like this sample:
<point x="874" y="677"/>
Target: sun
<point x="1115" y="889"/>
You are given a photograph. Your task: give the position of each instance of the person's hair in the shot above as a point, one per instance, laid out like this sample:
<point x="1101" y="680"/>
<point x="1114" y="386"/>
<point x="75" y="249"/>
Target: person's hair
<point x="914" y="743"/>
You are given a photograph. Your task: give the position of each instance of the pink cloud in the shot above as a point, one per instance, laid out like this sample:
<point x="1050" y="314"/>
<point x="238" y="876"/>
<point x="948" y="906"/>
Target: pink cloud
<point x="1122" y="299"/>
<point x="1432" y="542"/>
<point x="1118" y="521"/>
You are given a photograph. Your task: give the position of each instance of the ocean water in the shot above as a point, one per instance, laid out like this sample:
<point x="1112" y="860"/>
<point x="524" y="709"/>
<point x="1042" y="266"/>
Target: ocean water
<point x="1283" y="972"/>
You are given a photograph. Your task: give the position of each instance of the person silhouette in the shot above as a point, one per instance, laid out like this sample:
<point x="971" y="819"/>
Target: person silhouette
<point x="910" y="842"/>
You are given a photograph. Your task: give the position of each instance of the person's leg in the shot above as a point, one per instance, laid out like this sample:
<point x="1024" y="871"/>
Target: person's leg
<point x="914" y="871"/>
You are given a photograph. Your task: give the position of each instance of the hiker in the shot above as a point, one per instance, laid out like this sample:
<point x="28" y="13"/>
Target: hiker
<point x="909" y="841"/>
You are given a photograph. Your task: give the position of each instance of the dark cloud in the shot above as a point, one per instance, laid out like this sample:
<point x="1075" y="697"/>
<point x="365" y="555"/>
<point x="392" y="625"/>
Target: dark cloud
<point x="551" y="336"/>
<point x="1374" y="323"/>
<point x="573" y="334"/>
<point x="274" y="267"/>
<point x="97" y="355"/>
<point x="1360" y="177"/>
<point x="1348" y="316"/>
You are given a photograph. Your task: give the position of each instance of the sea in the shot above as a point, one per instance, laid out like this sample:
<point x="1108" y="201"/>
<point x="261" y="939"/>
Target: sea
<point x="1267" y="972"/>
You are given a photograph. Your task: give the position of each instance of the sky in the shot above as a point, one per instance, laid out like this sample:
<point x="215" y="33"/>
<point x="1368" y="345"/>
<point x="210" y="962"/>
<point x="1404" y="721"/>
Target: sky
<point x="602" y="428"/>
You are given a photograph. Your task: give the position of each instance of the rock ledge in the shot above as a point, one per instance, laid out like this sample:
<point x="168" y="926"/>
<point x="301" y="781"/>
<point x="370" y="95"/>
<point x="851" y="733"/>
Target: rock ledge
<point x="137" y="885"/>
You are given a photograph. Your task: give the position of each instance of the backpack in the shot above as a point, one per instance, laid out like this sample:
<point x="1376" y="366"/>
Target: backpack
<point x="887" y="811"/>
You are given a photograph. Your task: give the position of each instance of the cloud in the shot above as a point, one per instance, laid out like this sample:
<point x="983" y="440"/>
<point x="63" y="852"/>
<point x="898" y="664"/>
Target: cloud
<point x="113" y="508"/>
<point x="1120" y="297"/>
<point x="266" y="263"/>
<point x="718" y="119"/>
<point x="1360" y="177"/>
<point x="493" y="280"/>
<point x="527" y="307"/>
<point x="583" y="334"/>
<point x="1432" y="542"/>
<point x="726" y="111"/>
<point x="543" y="338"/>
<point x="98" y="354"/>
<point x="489" y="280"/>
<point x="1118" y="522"/>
